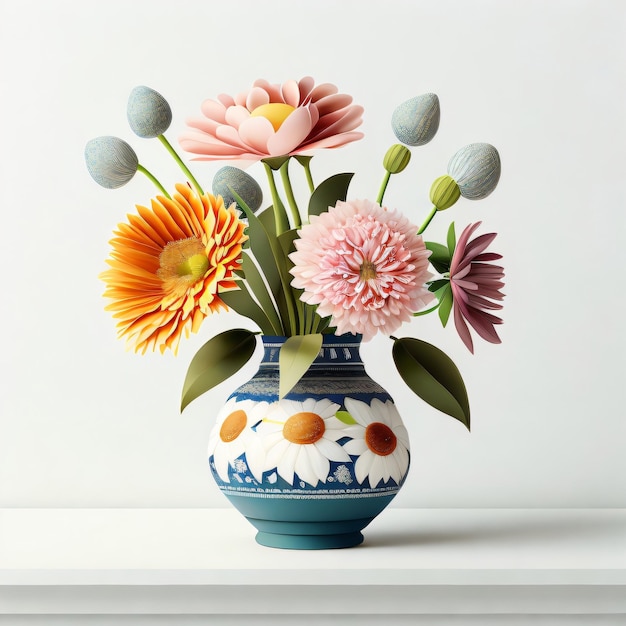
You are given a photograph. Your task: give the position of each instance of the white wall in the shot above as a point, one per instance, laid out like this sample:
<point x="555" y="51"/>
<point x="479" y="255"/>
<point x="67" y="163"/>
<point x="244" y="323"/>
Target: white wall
<point x="84" y="423"/>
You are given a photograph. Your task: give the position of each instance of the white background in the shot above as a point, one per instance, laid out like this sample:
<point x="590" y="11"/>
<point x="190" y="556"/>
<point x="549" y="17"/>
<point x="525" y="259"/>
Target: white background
<point x="83" y="423"/>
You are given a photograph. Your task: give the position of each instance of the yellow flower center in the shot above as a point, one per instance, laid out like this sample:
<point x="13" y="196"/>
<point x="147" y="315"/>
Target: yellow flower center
<point x="183" y="261"/>
<point x="233" y="426"/>
<point x="367" y="271"/>
<point x="195" y="266"/>
<point x="380" y="439"/>
<point x="304" y="428"/>
<point x="275" y="112"/>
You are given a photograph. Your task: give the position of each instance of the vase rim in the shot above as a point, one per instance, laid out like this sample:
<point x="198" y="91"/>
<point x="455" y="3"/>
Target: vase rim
<point x="326" y="338"/>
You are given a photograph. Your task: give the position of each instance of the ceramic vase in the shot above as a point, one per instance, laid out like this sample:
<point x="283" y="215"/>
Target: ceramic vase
<point x="312" y="469"/>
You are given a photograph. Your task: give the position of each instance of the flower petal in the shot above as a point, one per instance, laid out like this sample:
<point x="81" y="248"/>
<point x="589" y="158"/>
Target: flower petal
<point x="291" y="134"/>
<point x="255" y="132"/>
<point x="214" y="110"/>
<point x="256" y="97"/>
<point x="355" y="447"/>
<point x="363" y="465"/>
<point x="235" y="117"/>
<point x="319" y="465"/>
<point x="376" y="470"/>
<point x="290" y="93"/>
<point x="287" y="462"/>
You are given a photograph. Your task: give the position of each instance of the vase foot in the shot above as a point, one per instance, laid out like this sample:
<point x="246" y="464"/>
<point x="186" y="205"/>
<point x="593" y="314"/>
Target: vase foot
<point x="313" y="523"/>
<point x="309" y="542"/>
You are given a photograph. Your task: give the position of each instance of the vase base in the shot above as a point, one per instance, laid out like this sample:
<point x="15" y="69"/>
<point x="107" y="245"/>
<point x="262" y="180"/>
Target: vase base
<point x="309" y="535"/>
<point x="310" y="523"/>
<point x="309" y="542"/>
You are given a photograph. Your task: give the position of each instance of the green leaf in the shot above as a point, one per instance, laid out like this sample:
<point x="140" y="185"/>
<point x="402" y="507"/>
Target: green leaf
<point x="287" y="246"/>
<point x="440" y="257"/>
<point x="272" y="261"/>
<point x="240" y="301"/>
<point x="445" y="303"/>
<point x="295" y="358"/>
<point x="345" y="417"/>
<point x="433" y="376"/>
<point x="328" y="192"/>
<point x="436" y="285"/>
<point x="266" y="217"/>
<point x="261" y="245"/>
<point x="451" y="240"/>
<point x="259" y="289"/>
<point x="286" y="240"/>
<point x="218" y="359"/>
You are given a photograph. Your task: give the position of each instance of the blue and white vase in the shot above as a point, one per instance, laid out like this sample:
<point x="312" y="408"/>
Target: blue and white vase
<point x="311" y="470"/>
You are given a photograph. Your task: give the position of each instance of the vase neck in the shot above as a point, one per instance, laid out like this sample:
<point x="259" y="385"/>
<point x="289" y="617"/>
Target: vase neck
<point x="336" y="351"/>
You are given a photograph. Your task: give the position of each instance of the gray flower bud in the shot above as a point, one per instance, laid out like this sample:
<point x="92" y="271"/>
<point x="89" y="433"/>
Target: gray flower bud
<point x="243" y="184"/>
<point x="476" y="170"/>
<point x="110" y="161"/>
<point x="148" y="112"/>
<point x="415" y="122"/>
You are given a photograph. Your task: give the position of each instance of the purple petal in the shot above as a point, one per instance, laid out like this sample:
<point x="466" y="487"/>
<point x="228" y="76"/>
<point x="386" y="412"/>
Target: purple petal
<point x="462" y="329"/>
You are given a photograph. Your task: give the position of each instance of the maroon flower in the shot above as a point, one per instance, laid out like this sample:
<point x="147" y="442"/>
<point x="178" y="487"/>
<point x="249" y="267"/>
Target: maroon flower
<point x="476" y="283"/>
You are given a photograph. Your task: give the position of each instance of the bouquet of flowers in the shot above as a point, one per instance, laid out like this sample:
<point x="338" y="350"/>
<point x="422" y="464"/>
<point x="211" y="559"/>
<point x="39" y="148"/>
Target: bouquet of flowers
<point x="330" y="264"/>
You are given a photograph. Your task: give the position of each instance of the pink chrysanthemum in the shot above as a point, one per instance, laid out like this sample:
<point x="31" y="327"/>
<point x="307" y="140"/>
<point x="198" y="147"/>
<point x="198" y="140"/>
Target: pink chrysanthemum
<point x="273" y="120"/>
<point x="476" y="283"/>
<point x="364" y="265"/>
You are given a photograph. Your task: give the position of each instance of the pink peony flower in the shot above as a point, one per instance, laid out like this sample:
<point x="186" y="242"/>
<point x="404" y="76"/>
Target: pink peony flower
<point x="364" y="265"/>
<point x="273" y="120"/>
<point x="475" y="284"/>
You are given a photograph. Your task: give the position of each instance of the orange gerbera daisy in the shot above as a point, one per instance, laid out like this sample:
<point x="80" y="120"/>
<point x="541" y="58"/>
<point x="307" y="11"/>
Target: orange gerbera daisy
<point x="168" y="265"/>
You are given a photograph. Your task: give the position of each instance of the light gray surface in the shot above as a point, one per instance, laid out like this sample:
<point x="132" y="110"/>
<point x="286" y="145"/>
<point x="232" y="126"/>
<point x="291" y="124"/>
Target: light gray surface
<point x="314" y="620"/>
<point x="413" y="562"/>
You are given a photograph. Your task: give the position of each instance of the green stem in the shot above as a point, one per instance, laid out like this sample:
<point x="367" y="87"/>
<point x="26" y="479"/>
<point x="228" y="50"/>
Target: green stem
<point x="143" y="170"/>
<point x="309" y="177"/>
<point x="178" y="160"/>
<point x="285" y="279"/>
<point x="301" y="313"/>
<point x="383" y="188"/>
<point x="427" y="310"/>
<point x="310" y="325"/>
<point x="280" y="216"/>
<point x="315" y="322"/>
<point x="427" y="221"/>
<point x="291" y="199"/>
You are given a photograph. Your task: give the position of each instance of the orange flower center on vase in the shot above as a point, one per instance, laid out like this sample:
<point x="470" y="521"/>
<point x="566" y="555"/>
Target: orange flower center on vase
<point x="367" y="271"/>
<point x="275" y="112"/>
<point x="233" y="425"/>
<point x="182" y="263"/>
<point x="303" y="428"/>
<point x="380" y="439"/>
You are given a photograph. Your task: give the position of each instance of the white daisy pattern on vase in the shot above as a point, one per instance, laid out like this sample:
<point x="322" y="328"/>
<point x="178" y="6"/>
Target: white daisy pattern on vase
<point x="232" y="435"/>
<point x="380" y="441"/>
<point x="301" y="438"/>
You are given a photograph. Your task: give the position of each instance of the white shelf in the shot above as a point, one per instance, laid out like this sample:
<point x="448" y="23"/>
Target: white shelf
<point x="414" y="562"/>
